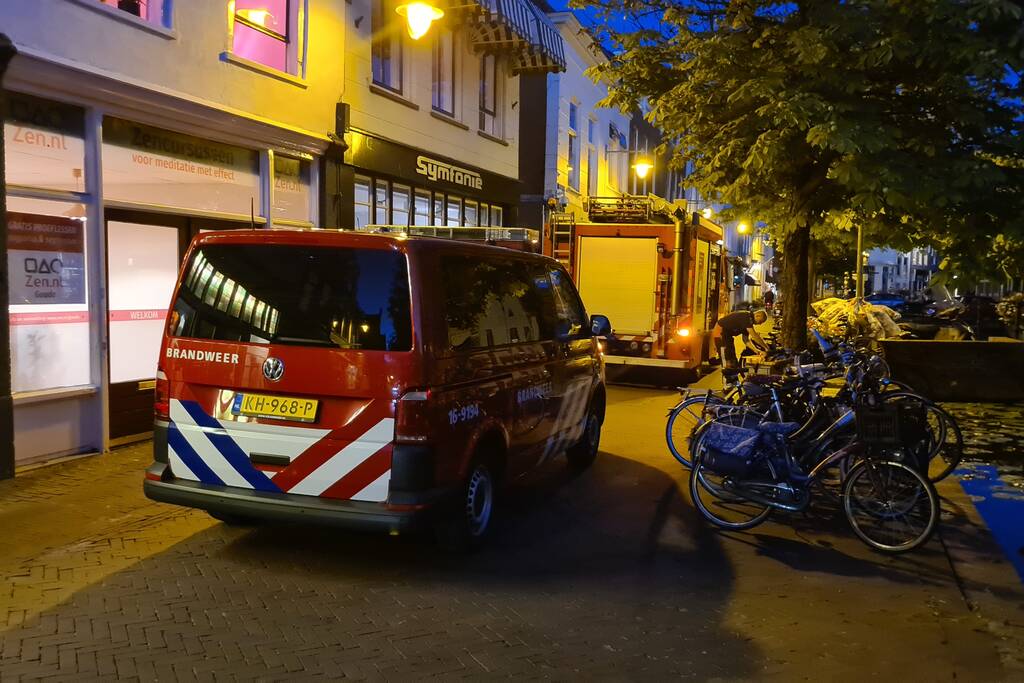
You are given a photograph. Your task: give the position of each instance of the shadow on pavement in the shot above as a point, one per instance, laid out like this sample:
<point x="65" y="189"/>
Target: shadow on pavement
<point x="608" y="574"/>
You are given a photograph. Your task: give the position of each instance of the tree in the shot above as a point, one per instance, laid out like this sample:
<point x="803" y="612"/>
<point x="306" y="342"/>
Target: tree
<point x="817" y="116"/>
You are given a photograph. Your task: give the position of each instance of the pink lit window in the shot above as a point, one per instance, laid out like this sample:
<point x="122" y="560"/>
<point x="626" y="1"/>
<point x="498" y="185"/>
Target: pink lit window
<point x="261" y="32"/>
<point x="150" y="10"/>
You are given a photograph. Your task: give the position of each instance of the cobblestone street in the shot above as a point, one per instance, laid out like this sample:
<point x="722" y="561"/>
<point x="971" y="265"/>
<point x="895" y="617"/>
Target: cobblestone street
<point x="608" y="575"/>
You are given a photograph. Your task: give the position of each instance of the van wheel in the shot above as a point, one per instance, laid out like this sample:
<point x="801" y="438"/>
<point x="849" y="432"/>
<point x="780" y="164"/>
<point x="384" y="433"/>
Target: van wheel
<point x="581" y="454"/>
<point x="465" y="523"/>
<point x="233" y="520"/>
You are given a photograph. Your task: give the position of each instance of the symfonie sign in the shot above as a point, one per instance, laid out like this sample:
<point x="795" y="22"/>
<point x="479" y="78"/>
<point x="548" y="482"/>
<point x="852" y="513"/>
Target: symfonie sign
<point x="439" y="170"/>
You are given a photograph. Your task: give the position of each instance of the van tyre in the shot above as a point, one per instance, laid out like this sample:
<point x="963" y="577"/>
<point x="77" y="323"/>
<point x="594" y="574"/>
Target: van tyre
<point x="465" y="523"/>
<point x="581" y="455"/>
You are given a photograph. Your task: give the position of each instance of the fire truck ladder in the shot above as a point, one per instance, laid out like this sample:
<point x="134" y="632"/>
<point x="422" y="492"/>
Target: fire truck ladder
<point x="563" y="232"/>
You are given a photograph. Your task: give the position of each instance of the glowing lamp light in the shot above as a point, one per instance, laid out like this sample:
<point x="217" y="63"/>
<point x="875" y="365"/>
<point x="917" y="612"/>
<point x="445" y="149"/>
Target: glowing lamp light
<point x="683" y="331"/>
<point x="364" y="327"/>
<point x="642" y="168"/>
<point x="259" y="17"/>
<point x="708" y="213"/>
<point x="418" y="17"/>
<point x="742" y="228"/>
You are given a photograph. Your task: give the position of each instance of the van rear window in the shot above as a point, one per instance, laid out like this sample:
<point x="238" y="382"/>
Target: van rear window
<point x="313" y="296"/>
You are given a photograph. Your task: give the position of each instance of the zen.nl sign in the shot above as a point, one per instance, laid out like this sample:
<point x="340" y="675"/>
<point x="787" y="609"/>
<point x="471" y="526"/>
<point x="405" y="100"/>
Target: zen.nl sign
<point x="45" y="259"/>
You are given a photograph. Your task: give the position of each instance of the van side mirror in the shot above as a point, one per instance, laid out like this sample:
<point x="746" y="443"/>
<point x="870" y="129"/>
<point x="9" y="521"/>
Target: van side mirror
<point x="600" y="326"/>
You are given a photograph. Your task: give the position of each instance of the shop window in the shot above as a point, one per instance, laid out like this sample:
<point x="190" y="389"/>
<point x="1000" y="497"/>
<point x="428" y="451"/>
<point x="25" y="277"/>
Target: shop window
<point x="266" y="31"/>
<point x="438" y="209"/>
<point x="470" y="210"/>
<point x="454" y="215"/>
<point x="497" y="217"/>
<point x="154" y="167"/>
<point x="363" y="202"/>
<point x="381" y="203"/>
<point x="591" y="171"/>
<point x="48" y="298"/>
<point x="489" y="95"/>
<point x="387" y="47"/>
<point x="573" y="149"/>
<point x="292" y="191"/>
<point x="485" y="214"/>
<point x="421" y="208"/>
<point x="44" y="144"/>
<point x="152" y="11"/>
<point x="400" y="205"/>
<point x="444" y="72"/>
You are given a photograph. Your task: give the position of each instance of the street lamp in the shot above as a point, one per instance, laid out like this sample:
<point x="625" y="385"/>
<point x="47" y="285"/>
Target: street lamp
<point x="642" y="168"/>
<point x="742" y="228"/>
<point x="707" y="213"/>
<point x="418" y="17"/>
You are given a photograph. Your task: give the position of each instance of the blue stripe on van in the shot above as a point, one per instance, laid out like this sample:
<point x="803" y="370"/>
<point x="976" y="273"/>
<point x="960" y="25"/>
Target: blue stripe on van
<point x="231" y="451"/>
<point x="176" y="440"/>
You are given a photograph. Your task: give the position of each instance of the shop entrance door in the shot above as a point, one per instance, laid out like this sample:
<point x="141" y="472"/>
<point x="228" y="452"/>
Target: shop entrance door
<point x="144" y="253"/>
<point x="142" y="266"/>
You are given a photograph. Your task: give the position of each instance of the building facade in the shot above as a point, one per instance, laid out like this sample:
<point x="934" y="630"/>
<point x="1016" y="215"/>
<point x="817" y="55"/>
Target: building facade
<point x="433" y="125"/>
<point x="131" y="127"/>
<point x="889" y="270"/>
<point x="582" y="149"/>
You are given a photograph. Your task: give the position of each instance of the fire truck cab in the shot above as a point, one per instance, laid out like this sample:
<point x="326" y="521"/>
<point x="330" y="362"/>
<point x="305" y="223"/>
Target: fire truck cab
<point x="655" y="270"/>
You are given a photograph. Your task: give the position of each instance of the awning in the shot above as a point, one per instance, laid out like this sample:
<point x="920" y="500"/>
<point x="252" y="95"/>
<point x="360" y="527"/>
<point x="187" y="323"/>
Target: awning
<point x="519" y="29"/>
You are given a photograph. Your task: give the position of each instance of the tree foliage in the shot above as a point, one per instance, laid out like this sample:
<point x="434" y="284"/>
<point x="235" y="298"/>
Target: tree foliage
<point x="900" y="116"/>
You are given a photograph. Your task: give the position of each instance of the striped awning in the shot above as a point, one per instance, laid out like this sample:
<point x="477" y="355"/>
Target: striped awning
<point x="519" y="30"/>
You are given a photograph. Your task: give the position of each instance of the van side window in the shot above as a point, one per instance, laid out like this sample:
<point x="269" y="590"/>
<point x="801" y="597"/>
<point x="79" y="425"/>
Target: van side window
<point x="492" y="302"/>
<point x="572" y="317"/>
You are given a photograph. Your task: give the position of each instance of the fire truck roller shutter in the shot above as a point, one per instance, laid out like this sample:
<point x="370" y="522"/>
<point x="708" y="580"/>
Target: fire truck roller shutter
<point x="618" y="278"/>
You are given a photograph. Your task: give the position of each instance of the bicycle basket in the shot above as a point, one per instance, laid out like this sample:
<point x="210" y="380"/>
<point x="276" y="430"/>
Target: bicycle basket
<point x="731" y="451"/>
<point x="892" y="424"/>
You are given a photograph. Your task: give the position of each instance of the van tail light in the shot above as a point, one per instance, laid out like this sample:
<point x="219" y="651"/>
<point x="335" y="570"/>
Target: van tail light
<point x="412" y="417"/>
<point x="162" y="397"/>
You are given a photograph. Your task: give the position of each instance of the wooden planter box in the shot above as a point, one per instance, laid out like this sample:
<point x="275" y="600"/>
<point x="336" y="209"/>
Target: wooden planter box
<point x="959" y="370"/>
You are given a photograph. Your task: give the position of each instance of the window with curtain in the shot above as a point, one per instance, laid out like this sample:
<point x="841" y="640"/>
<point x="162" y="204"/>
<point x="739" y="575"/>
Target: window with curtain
<point x="489" y="95"/>
<point x="381" y="203"/>
<point x="470" y="212"/>
<point x="421" y="208"/>
<point x="152" y="11"/>
<point x="454" y="211"/>
<point x="574" y="148"/>
<point x="363" y="202"/>
<point x="400" y="205"/>
<point x="444" y="72"/>
<point x="386" y="51"/>
<point x="263" y="33"/>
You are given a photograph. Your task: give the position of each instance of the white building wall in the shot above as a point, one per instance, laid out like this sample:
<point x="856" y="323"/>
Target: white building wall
<point x="574" y="86"/>
<point x="183" y="61"/>
<point x="407" y="118"/>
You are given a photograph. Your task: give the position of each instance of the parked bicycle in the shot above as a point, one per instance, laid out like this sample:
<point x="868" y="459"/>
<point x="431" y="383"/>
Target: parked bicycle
<point x="741" y="474"/>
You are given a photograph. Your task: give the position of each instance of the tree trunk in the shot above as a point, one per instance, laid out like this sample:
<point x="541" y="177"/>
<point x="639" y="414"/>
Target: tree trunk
<point x="795" y="252"/>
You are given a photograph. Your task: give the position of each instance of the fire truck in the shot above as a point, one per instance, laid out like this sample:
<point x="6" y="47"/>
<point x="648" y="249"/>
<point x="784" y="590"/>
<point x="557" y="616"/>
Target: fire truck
<point x="656" y="271"/>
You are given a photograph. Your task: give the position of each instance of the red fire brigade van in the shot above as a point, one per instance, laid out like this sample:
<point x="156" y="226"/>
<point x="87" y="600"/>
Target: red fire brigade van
<point x="367" y="380"/>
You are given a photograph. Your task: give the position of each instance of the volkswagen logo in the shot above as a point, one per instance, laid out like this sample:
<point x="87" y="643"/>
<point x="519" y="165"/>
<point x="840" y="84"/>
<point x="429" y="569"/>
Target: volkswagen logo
<point x="273" y="368"/>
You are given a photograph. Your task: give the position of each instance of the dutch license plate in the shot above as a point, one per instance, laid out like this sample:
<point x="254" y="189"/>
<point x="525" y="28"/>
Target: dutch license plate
<point x="276" y="407"/>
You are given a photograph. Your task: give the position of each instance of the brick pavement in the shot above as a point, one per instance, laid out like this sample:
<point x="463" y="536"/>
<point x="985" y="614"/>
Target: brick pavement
<point x="609" y="575"/>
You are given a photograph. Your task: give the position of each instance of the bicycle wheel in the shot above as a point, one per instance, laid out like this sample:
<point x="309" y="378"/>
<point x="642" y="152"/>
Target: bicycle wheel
<point x="890" y="506"/>
<point x="950" y="449"/>
<point x="718" y="505"/>
<point x="682" y="422"/>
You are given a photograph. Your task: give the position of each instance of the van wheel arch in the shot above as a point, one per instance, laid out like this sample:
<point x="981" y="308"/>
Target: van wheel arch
<point x="492" y="447"/>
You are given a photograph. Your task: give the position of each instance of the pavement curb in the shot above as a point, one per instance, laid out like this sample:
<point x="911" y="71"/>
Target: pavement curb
<point x="988" y="582"/>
